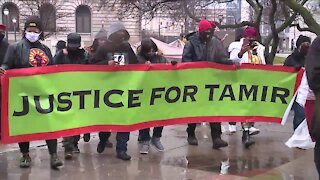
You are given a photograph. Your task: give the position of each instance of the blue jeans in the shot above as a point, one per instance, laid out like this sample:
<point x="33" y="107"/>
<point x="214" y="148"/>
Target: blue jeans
<point x="122" y="139"/>
<point x="299" y="115"/>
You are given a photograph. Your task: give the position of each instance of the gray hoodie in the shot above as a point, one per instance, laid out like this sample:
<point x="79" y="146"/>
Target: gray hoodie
<point x="102" y="34"/>
<point x="116" y="27"/>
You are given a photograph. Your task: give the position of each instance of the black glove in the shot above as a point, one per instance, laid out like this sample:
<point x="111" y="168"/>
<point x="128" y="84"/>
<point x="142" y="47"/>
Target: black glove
<point x="173" y="63"/>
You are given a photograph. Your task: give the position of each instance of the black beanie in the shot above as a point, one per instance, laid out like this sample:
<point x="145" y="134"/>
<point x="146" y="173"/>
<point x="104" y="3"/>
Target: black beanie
<point x="302" y="39"/>
<point x="33" y="21"/>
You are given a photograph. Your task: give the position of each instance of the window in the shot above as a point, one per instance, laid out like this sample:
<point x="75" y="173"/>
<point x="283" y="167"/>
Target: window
<point x="48" y="17"/>
<point x="83" y="19"/>
<point x="13" y="14"/>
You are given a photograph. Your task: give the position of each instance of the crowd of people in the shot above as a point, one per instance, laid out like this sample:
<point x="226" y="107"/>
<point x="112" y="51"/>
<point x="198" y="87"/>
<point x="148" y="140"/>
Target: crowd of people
<point x="112" y="48"/>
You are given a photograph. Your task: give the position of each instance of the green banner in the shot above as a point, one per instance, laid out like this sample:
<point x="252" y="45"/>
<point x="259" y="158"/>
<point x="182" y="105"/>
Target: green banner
<point x="65" y="100"/>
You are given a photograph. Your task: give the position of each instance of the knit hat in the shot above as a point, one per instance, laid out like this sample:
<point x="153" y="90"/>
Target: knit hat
<point x="302" y="39"/>
<point x="102" y="34"/>
<point x="250" y="32"/>
<point x="33" y="21"/>
<point x="204" y="25"/>
<point x="74" y="40"/>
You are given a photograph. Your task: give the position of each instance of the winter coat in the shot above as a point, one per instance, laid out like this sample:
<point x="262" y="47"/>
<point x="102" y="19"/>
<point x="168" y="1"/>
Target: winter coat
<point x="296" y="59"/>
<point x="118" y="51"/>
<point x="313" y="75"/>
<point x="3" y="49"/>
<point x="25" y="54"/>
<point x="213" y="51"/>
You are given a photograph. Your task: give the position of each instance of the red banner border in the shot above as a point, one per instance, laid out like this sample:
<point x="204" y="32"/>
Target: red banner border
<point x="125" y="128"/>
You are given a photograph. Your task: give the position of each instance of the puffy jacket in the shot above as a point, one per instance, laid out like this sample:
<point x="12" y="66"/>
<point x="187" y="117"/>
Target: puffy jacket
<point x="213" y="51"/>
<point x="24" y="54"/>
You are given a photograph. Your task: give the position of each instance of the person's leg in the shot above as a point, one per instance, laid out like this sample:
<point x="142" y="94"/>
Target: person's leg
<point x="216" y="132"/>
<point x="121" y="148"/>
<point x="157" y="133"/>
<point x="25" y="160"/>
<point x="52" y="147"/>
<point x="67" y="143"/>
<point x="299" y="115"/>
<point x="76" y="140"/>
<point x="104" y="141"/>
<point x="232" y="127"/>
<point x="192" y="140"/>
<point x="144" y="138"/>
<point x="317" y="156"/>
<point x="86" y="137"/>
<point x="246" y="139"/>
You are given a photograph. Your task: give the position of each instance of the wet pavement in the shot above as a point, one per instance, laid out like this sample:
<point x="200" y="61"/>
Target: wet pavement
<point x="268" y="159"/>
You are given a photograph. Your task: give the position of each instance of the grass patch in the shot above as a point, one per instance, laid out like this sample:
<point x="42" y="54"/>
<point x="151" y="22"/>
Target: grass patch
<point x="279" y="60"/>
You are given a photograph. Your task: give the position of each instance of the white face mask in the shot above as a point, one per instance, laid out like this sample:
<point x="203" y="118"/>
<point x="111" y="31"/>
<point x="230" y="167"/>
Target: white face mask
<point x="32" y="36"/>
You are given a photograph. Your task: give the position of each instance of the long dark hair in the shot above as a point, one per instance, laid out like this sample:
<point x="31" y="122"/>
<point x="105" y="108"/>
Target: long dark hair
<point x="146" y="46"/>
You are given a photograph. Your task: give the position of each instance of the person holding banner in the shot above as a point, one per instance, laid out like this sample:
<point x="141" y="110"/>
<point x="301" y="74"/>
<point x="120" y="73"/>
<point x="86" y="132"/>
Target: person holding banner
<point x="115" y="51"/>
<point x="72" y="54"/>
<point x="30" y="52"/>
<point x="148" y="53"/>
<point x="313" y="74"/>
<point x="248" y="50"/>
<point x="203" y="46"/>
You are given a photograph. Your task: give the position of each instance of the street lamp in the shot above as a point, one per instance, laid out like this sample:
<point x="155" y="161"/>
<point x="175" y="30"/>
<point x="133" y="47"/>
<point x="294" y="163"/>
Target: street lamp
<point x="6" y="13"/>
<point x="14" y="22"/>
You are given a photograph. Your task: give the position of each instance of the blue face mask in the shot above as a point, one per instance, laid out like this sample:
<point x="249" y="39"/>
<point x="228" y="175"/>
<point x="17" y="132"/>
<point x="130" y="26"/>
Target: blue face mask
<point x="32" y="36"/>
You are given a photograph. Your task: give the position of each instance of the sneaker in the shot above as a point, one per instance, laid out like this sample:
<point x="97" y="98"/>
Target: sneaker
<point x="123" y="156"/>
<point x="145" y="146"/>
<point x="218" y="143"/>
<point x="192" y="140"/>
<point x="76" y="149"/>
<point x="109" y="144"/>
<point x="232" y="128"/>
<point x="157" y="144"/>
<point x="68" y="155"/>
<point x="86" y="137"/>
<point x="25" y="161"/>
<point x="55" y="162"/>
<point x="101" y="147"/>
<point x="254" y="131"/>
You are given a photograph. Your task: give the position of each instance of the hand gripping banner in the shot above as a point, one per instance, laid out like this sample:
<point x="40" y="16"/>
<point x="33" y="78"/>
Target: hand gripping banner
<point x="58" y="101"/>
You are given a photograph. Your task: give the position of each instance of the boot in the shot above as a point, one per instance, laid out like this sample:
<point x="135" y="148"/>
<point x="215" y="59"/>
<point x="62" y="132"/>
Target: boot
<point x="246" y="139"/>
<point x="55" y="162"/>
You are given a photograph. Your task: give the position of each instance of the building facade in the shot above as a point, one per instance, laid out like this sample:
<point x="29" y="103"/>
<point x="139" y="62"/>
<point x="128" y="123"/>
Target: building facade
<point x="61" y="17"/>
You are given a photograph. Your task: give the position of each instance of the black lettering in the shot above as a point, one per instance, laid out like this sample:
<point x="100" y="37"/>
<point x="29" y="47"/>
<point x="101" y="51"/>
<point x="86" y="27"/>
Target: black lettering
<point x="211" y="93"/>
<point x="191" y="94"/>
<point x="244" y="91"/>
<point x="81" y="95"/>
<point x="64" y="101"/>
<point x="25" y="107"/>
<point x="264" y="93"/>
<point x="107" y="98"/>
<point x="132" y="97"/>
<point x="154" y="94"/>
<point x="96" y="98"/>
<point x="281" y="93"/>
<point x="176" y="98"/>
<point x="230" y="93"/>
<point x="38" y="105"/>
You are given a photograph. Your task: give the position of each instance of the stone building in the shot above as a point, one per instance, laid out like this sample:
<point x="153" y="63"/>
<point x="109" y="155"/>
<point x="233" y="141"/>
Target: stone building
<point x="61" y="17"/>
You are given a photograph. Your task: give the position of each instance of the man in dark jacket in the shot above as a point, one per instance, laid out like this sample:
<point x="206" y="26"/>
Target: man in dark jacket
<point x="30" y="52"/>
<point x="313" y="74"/>
<point x="116" y="50"/>
<point x="202" y="46"/>
<point x="72" y="54"/>
<point x="297" y="60"/>
<point x="3" y="43"/>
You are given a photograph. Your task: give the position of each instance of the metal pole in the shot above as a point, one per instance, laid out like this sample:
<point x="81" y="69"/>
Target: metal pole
<point x="7" y="29"/>
<point x="15" y="33"/>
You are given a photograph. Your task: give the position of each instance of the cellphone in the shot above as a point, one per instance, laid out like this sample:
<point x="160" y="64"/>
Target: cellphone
<point x="253" y="44"/>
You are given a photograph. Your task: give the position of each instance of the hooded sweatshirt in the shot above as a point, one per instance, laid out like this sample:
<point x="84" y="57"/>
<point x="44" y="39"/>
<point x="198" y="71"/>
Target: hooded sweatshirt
<point x="118" y="51"/>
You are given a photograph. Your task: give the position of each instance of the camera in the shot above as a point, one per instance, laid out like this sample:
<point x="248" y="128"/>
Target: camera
<point x="253" y="44"/>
